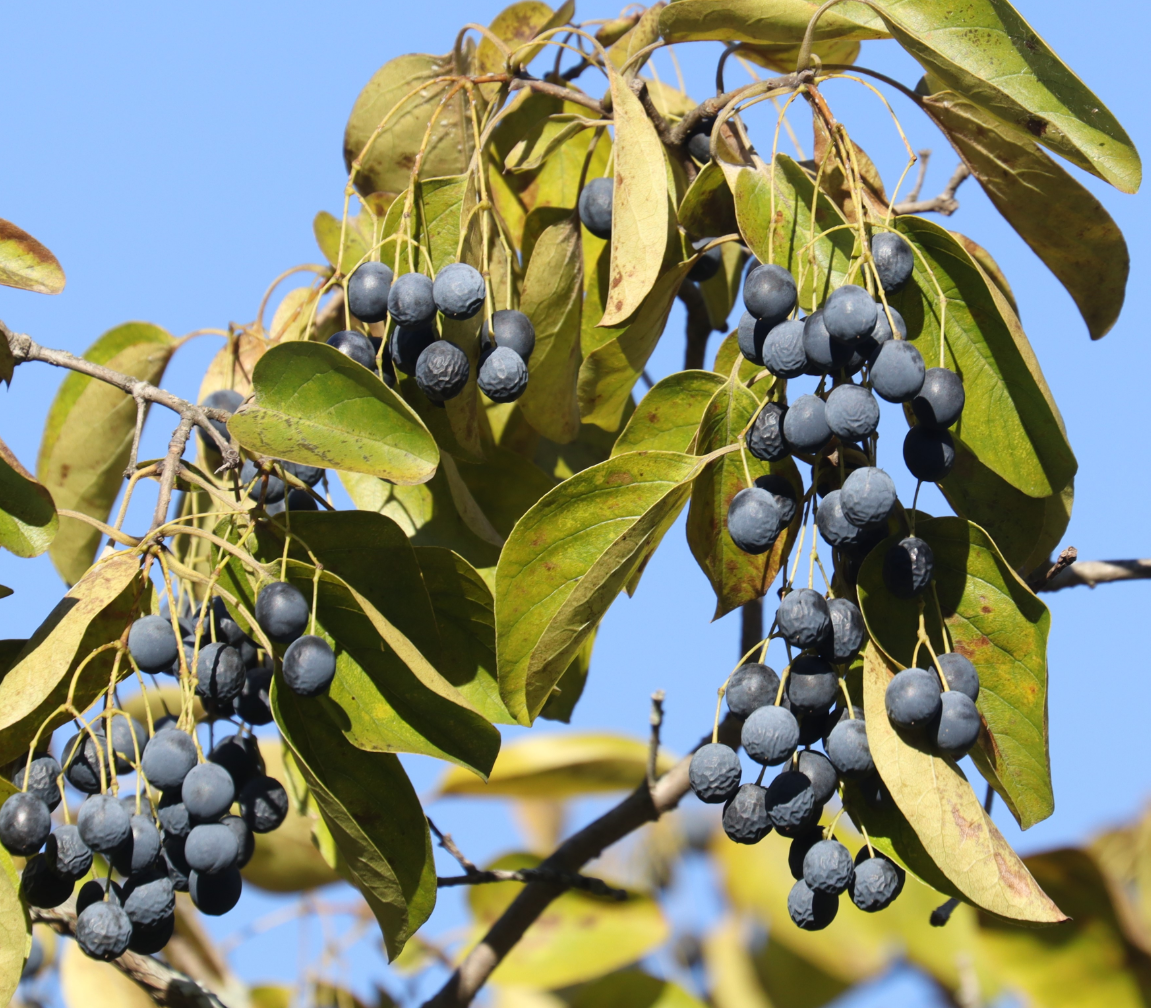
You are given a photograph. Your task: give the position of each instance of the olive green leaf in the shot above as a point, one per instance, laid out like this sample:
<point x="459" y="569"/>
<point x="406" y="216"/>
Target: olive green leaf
<point x="28" y="518"/>
<point x="293" y="314"/>
<point x="1065" y="225"/>
<point x="27" y="264"/>
<point x="96" y="611"/>
<point x="707" y="209"/>
<point x="314" y="405"/>
<point x="668" y="417"/>
<point x="947" y="816"/>
<point x="765" y="21"/>
<point x="385" y="843"/>
<point x="632" y="988"/>
<point x="519" y="23"/>
<point x="1011" y="421"/>
<point x="568" y="558"/>
<point x="387" y="165"/>
<point x="88" y="438"/>
<point x="641" y="211"/>
<point x="995" y="620"/>
<point x="736" y="577"/>
<point x="560" y="766"/>
<point x="580" y="937"/>
<point x="720" y="291"/>
<point x="547" y="137"/>
<point x="640" y="36"/>
<point x="440" y="206"/>
<point x="327" y="230"/>
<point x="990" y="267"/>
<point x="726" y="356"/>
<point x="781" y="57"/>
<point x="551" y="298"/>
<point x="567" y="691"/>
<point x="986" y="52"/>
<point x="15" y="929"/>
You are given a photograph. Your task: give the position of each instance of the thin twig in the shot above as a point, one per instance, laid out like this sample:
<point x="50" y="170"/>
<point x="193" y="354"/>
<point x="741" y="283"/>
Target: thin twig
<point x="1093" y="572"/>
<point x="141" y="410"/>
<point x="556" y="91"/>
<point x="710" y="108"/>
<point x="924" y="157"/>
<point x="171" y="467"/>
<point x="942" y="913"/>
<point x="447" y="843"/>
<point x="653" y="746"/>
<point x="550" y="876"/>
<point x="945" y="203"/>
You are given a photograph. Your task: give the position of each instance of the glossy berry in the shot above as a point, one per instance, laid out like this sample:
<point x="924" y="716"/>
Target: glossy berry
<point x="770" y="735"/>
<point x="152" y="644"/>
<point x="714" y="773"/>
<point x="852" y="412"/>
<point x="442" y="371"/>
<point x="262" y="485"/>
<point x="219" y="672"/>
<point x="148" y="940"/>
<point x="282" y="611"/>
<point x="263" y="804"/>
<point x="245" y="839"/>
<point x="805" y="427"/>
<point x="836" y="530"/>
<point x="818" y="769"/>
<point x="913" y="698"/>
<point x="503" y="375"/>
<point x="875" y="884"/>
<point x="751" y="335"/>
<point x="215" y="895"/>
<point x="699" y="147"/>
<point x="513" y="329"/>
<point x="824" y="354"/>
<point x="410" y="300"/>
<point x="708" y="264"/>
<point x="810" y="910"/>
<point x="897" y="372"/>
<point x="812" y="685"/>
<point x="103" y="931"/>
<point x="848" y="632"/>
<point x="940" y="400"/>
<point x="848" y="750"/>
<point x="765" y="439"/>
<point x="595" y="206"/>
<point x="221" y="399"/>
<point x="309" y="666"/>
<point x="960" y="674"/>
<point x="849" y="314"/>
<point x="139" y="852"/>
<point x="791" y="802"/>
<point x="908" y="568"/>
<point x="173" y="815"/>
<point x="894" y="260"/>
<point x="104" y="823"/>
<point x="207" y="792"/>
<point x="769" y="293"/>
<point x="66" y="854"/>
<point x="168" y="757"/>
<point x="43" y="774"/>
<point x="745" y="819"/>
<point x="42" y="887"/>
<point x="783" y="350"/>
<point x="803" y="618"/>
<point x="867" y="497"/>
<point x="239" y="755"/>
<point x="211" y="848"/>
<point x="828" y="867"/>
<point x="751" y="686"/>
<point x="799" y="847"/>
<point x="368" y="289"/>
<point x="754" y="520"/>
<point x="959" y="724"/>
<point x="25" y="823"/>
<point x="407" y="343"/>
<point x="149" y="899"/>
<point x="459" y="291"/>
<point x="253" y="704"/>
<point x="784" y="493"/>
<point x="928" y="454"/>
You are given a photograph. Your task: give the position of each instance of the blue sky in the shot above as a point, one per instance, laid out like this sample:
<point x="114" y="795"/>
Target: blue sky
<point x="173" y="159"/>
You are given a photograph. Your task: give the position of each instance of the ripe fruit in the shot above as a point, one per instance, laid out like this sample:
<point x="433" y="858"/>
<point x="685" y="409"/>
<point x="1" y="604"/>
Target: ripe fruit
<point x="818" y="769"/>
<point x="356" y="346"/>
<point x="805" y="426"/>
<point x="929" y="454"/>
<point x="867" y="497"/>
<point x="960" y="674"/>
<point x="94" y="890"/>
<point x="309" y="665"/>
<point x="913" y="698"/>
<point x="282" y="611"/>
<point x="207" y="792"/>
<point x="836" y="530"/>
<point x="828" y="867"/>
<point x="211" y="848"/>
<point x="849" y="314"/>
<point x="595" y="206"/>
<point x="459" y="291"/>
<point x="770" y="735"/>
<point x="852" y="412"/>
<point x="897" y="371"/>
<point x="82" y="757"/>
<point x="799" y="847"/>
<point x="765" y="439"/>
<point x="219" y="672"/>
<point x="754" y="520"/>
<point x="407" y="343"/>
<point x="824" y="354"/>
<point x="244" y="838"/>
<point x="708" y="264"/>
<point x="215" y="895"/>
<point x="148" y="940"/>
<point x="893" y="258"/>
<point x="168" y="757"/>
<point x="848" y="750"/>
<point x="908" y="567"/>
<point x="782" y="349"/>
<point x="128" y="740"/>
<point x="149" y="899"/>
<point x="296" y="500"/>
<point x="442" y="371"/>
<point x="810" y="910"/>
<point x="959" y="724"/>
<point x="410" y="300"/>
<point x="25" y="823"/>
<point x="699" y="147"/>
<point x="513" y="329"/>
<point x="811" y="685"/>
<point x="791" y="802"/>
<point x="745" y="819"/>
<point x="784" y="493"/>
<point x="43" y="773"/>
<point x="41" y="887"/>
<point x="66" y="854"/>
<point x="240" y="756"/>
<point x="751" y="335"/>
<point x="178" y="869"/>
<point x="848" y="632"/>
<point x="221" y="399"/>
<point x="152" y="644"/>
<point x="769" y="293"/>
<point x="140" y="851"/>
<point x="262" y="485"/>
<point x="940" y="400"/>
<point x="368" y="290"/>
<point x="869" y="346"/>
<point x="812" y="724"/>
<point x="173" y="816"/>
<point x="253" y="704"/>
<point x="875" y="884"/>
<point x="103" y="931"/>
<point x="751" y="686"/>
<point x="263" y="804"/>
<point x="803" y="618"/>
<point x="503" y="375"/>
<point x="103" y="822"/>
<point x="714" y="773"/>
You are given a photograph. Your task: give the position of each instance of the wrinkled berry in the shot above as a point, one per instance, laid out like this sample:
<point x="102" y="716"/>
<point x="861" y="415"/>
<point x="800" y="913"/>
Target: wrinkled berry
<point x="103" y="822"/>
<point x="791" y="801"/>
<point x="263" y="804"/>
<point x="848" y="632"/>
<point x="751" y="686"/>
<point x="240" y="756"/>
<point x="874" y="885"/>
<point x="960" y="674"/>
<point x="810" y="910"/>
<point x="754" y="520"/>
<point x="355" y="346"/>
<point x="595" y="206"/>
<point x="828" y="867"/>
<point x="770" y="735"/>
<point x="769" y="293"/>
<point x="714" y="773"/>
<point x="803" y="618"/>
<point x="82" y="757"/>
<point x="836" y="530"/>
<point x="959" y="724"/>
<point x="459" y="291"/>
<point x="897" y="372"/>
<point x="940" y="399"/>
<point x="811" y="684"/>
<point x="103" y="931"/>
<point x="67" y="854"/>
<point x="215" y="895"/>
<point x="929" y="454"/>
<point x="25" y="823"/>
<point x="805" y="426"/>
<point x="309" y="665"/>
<point x="149" y="899"/>
<point x="782" y="349"/>
<point x="173" y="815"/>
<point x="908" y="568"/>
<point x="784" y="493"/>
<point x="824" y="354"/>
<point x="152" y="644"/>
<point x="913" y="698"/>
<point x="410" y="300"/>
<point x="168" y="757"/>
<point x="368" y="289"/>
<point x="43" y="774"/>
<point x="765" y="439"/>
<point x="42" y="887"/>
<point x="503" y="375"/>
<point x="245" y="839"/>
<point x="848" y="314"/>
<point x="219" y="672"/>
<point x="745" y="819"/>
<point x="442" y="371"/>
<point x="177" y="865"/>
<point x="282" y="611"/>
<point x="867" y="497"/>
<point x="139" y="852"/>
<point x="852" y="412"/>
<point x="95" y="890"/>
<point x="893" y="259"/>
<point x="513" y="329"/>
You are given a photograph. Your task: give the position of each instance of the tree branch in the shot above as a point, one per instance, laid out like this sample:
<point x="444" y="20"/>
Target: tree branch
<point x="945" y="203"/>
<point x="1093" y="572"/>
<point x="698" y="325"/>
<point x="561" y="879"/>
<point x="713" y="106"/>
<point x="556" y="91"/>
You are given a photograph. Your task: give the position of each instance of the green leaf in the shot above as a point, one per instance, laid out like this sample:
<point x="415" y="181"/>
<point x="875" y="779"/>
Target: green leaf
<point x="567" y="692"/>
<point x="1065" y="225"/>
<point x="15" y="929"/>
<point x="439" y="208"/>
<point x="726" y="356"/>
<point x="987" y="53"/>
<point x="765" y="21"/>
<point x="551" y="298"/>
<point x="736" y="577"/>
<point x="568" y="558"/>
<point x="668" y="417"/>
<point x="327" y="230"/>
<point x="96" y="610"/>
<point x="632" y="988"/>
<point x="560" y="766"/>
<point x="990" y="267"/>
<point x="386" y="844"/>
<point x="28" y="520"/>
<point x="88" y="438"/>
<point x="27" y="264"/>
<point x="782" y="57"/>
<point x="315" y="406"/>
<point x="545" y="139"/>
<point x="1011" y="421"/>
<point x="388" y="164"/>
<point x="995" y="620"/>
<point x="947" y="816"/>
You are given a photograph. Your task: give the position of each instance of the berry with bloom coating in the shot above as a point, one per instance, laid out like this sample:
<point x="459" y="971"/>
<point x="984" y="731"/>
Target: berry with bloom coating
<point x="410" y="300"/>
<point x="177" y="865"/>
<point x="852" y="412"/>
<point x="893" y="258"/>
<point x="783" y="349"/>
<point x="765" y="439"/>
<point x="811" y="685"/>
<point x="262" y="485"/>
<point x="912" y="698"/>
<point x="244" y="838"/>
<point x="908" y="567"/>
<point x="263" y="804"/>
<point x="897" y="371"/>
<point x="828" y="867"/>
<point x="168" y="757"/>
<point x="805" y="427"/>
<point x="282" y="611"/>
<point x="770" y="735"/>
<point x="368" y="290"/>
<point x="211" y="848"/>
<point x="848" y="632"/>
<point x="503" y="375"/>
<point x="221" y="399"/>
<point x="67" y="854"/>
<point x="43" y="774"/>
<point x="25" y="823"/>
<point x="103" y="931"/>
<point x="784" y="493"/>
<point x="810" y="910"/>
<point x="104" y="823"/>
<point x="848" y="750"/>
<point x="82" y="757"/>
<point x="874" y="885"/>
<point x="152" y="644"/>
<point x="459" y="291"/>
<point x="959" y="724"/>
<point x="849" y="314"/>
<point x="355" y="346"/>
<point x="867" y="497"/>
<point x="745" y="819"/>
<point x="699" y="147"/>
<point x="791" y="801"/>
<point x="140" y="851"/>
<point x="928" y="454"/>
<point x="803" y="618"/>
<point x="751" y="686"/>
<point x="513" y="329"/>
<point x="754" y="520"/>
<point x="960" y="674"/>
<point x="309" y="665"/>
<point x="207" y="792"/>
<point x="215" y="895"/>
<point x="824" y="354"/>
<point x="149" y="899"/>
<point x="408" y="342"/>
<point x="708" y="263"/>
<point x="595" y="206"/>
<point x="219" y="672"/>
<point x="818" y="769"/>
<point x="714" y="773"/>
<point x="173" y="816"/>
<point x="751" y="335"/>
<point x="442" y="371"/>
<point x="940" y="400"/>
<point x="836" y="530"/>
<point x="42" y="887"/>
<point x="769" y="293"/>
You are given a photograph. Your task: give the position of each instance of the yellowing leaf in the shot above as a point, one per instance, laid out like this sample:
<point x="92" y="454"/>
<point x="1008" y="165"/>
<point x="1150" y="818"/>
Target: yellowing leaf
<point x="292" y="315"/>
<point x="668" y="417"/>
<point x="28" y="520"/>
<point x="15" y="930"/>
<point x="233" y="364"/>
<point x="27" y="264"/>
<point x="519" y="23"/>
<point x="781" y="57"/>
<point x="765" y="21"/>
<point x="89" y="983"/>
<point x="632" y="988"/>
<point x="707" y="209"/>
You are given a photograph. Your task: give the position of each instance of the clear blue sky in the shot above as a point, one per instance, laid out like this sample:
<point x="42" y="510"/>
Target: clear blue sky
<point x="173" y="158"/>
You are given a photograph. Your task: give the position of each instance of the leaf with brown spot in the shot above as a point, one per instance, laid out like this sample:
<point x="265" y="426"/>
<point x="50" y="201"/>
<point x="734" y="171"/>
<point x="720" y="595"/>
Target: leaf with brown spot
<point x="668" y="417"/>
<point x="772" y="21"/>
<point x="27" y="264"/>
<point x="28" y="520"/>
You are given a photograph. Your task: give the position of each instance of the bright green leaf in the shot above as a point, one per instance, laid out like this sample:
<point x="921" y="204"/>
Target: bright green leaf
<point x="668" y="417"/>
<point x="28" y="520"/>
<point x="765" y="21"/>
<point x="27" y="264"/>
